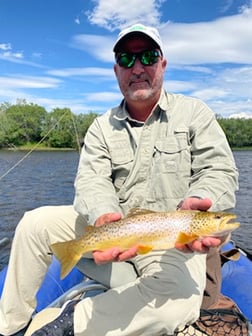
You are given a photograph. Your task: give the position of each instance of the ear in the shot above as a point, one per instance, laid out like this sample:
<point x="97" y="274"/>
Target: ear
<point x="164" y="63"/>
<point x="115" y="69"/>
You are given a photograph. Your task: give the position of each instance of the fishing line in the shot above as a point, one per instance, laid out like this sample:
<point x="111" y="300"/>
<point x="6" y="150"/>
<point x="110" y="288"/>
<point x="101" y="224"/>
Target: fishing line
<point x="35" y="146"/>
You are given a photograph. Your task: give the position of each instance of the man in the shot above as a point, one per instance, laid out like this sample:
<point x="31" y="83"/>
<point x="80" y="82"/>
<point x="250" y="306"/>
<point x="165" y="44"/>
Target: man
<point x="157" y="151"/>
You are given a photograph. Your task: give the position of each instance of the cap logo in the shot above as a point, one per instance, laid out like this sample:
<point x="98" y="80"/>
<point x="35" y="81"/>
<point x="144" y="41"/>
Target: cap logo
<point x="136" y="27"/>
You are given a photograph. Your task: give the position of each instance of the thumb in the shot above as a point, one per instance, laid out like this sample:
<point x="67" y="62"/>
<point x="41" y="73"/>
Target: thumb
<point x="108" y="218"/>
<point x="193" y="203"/>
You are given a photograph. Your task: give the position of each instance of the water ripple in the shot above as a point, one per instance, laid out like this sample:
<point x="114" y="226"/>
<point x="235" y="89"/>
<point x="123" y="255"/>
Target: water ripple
<point x="46" y="178"/>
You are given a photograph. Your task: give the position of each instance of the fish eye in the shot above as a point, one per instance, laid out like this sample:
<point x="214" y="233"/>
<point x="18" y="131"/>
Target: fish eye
<point x="217" y="216"/>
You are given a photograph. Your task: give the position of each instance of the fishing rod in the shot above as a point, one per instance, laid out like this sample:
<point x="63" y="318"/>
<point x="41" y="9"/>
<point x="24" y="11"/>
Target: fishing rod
<point x="4" y="241"/>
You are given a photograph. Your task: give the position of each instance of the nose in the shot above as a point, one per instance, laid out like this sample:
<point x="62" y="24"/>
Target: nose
<point x="138" y="67"/>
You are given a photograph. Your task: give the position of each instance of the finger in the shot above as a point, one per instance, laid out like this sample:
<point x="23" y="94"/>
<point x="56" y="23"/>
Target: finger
<point x="183" y="248"/>
<point x="128" y="254"/>
<point x="195" y="246"/>
<point x="198" y="246"/>
<point x="193" y="203"/>
<point x="201" y="204"/>
<point x="211" y="241"/>
<point x="102" y="257"/>
<point x="108" y="218"/>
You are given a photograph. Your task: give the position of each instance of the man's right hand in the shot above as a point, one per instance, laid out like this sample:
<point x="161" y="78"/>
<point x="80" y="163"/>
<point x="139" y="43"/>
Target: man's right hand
<point x="114" y="253"/>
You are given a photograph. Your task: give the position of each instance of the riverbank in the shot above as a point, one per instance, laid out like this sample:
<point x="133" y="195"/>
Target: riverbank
<point x="241" y="149"/>
<point x="27" y="148"/>
<point x="40" y="147"/>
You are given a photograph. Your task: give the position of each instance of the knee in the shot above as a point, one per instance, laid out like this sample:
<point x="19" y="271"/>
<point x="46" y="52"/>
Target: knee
<point x="35" y="221"/>
<point x="180" y="314"/>
<point x="39" y="220"/>
<point x="48" y="224"/>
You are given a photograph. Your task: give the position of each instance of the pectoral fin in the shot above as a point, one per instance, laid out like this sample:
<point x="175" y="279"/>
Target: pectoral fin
<point x="185" y="238"/>
<point x="143" y="249"/>
<point x="89" y="228"/>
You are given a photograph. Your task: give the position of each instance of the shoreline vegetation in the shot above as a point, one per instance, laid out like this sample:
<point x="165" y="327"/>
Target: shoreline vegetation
<point x="27" y="148"/>
<point x="242" y="148"/>
<point x="65" y="149"/>
<point x="29" y="127"/>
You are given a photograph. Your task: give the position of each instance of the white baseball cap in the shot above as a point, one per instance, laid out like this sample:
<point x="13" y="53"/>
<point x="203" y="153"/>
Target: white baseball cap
<point x="139" y="29"/>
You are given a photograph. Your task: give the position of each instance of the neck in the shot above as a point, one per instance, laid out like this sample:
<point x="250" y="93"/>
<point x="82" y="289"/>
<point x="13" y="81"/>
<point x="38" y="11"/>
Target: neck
<point x="140" y="112"/>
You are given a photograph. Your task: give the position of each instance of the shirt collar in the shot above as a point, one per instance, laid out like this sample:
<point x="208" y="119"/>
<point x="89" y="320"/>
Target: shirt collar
<point x="123" y="114"/>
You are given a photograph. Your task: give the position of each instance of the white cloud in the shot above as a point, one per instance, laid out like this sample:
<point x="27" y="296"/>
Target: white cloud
<point x="179" y="86"/>
<point x="25" y="82"/>
<point x="11" y="55"/>
<point x="116" y="14"/>
<point x="227" y="90"/>
<point x="102" y="73"/>
<point x="19" y="59"/>
<point x="225" y="109"/>
<point x="241" y="115"/>
<point x="7" y="53"/>
<point x="213" y="58"/>
<point x="207" y="94"/>
<point x="5" y="46"/>
<point x="225" y="40"/>
<point x="104" y="97"/>
<point x="77" y="20"/>
<point x="89" y="43"/>
<point x="226" y="5"/>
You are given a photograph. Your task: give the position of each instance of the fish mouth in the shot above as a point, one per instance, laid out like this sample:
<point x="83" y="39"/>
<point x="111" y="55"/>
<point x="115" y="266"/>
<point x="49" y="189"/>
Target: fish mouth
<point x="228" y="222"/>
<point x="228" y="217"/>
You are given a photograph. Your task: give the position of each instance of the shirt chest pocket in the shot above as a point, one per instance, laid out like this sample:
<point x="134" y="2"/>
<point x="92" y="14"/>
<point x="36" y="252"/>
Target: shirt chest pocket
<point x="172" y="154"/>
<point x="122" y="161"/>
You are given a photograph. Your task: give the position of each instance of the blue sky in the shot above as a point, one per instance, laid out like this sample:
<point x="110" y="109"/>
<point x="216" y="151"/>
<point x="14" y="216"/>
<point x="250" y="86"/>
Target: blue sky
<point x="58" y="53"/>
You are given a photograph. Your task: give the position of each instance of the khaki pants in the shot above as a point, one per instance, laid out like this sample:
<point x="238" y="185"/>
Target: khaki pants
<point x="167" y="294"/>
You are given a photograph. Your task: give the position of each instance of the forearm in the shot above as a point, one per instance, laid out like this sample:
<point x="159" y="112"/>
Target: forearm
<point x="94" y="190"/>
<point x="92" y="206"/>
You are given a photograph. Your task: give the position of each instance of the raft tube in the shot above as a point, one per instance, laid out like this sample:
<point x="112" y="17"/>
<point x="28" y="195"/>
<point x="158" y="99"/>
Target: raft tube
<point x="237" y="281"/>
<point x="52" y="286"/>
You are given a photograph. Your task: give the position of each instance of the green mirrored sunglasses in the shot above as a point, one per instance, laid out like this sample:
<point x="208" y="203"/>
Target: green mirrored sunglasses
<point x="147" y="57"/>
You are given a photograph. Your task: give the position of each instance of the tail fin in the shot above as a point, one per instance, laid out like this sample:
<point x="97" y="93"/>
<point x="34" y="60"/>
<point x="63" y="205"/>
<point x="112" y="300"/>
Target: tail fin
<point x="68" y="256"/>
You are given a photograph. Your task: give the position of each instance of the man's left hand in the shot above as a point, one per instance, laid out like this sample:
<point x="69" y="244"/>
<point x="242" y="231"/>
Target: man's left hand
<point x="203" y="245"/>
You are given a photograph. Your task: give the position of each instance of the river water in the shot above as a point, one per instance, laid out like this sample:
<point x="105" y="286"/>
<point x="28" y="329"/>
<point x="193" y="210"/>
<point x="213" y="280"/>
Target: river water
<point x="46" y="178"/>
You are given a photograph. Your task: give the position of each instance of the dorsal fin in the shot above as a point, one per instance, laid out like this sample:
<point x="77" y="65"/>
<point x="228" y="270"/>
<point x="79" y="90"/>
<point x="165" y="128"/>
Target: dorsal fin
<point x="138" y="211"/>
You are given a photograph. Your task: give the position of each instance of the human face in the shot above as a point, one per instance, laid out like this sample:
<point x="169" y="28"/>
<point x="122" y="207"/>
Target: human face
<point x="140" y="83"/>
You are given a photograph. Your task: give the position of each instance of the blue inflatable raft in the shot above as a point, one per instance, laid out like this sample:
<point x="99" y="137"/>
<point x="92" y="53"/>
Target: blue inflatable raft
<point x="236" y="284"/>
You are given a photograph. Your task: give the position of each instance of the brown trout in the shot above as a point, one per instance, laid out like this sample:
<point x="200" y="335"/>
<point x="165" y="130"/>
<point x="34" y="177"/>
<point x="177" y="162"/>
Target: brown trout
<point x="148" y="230"/>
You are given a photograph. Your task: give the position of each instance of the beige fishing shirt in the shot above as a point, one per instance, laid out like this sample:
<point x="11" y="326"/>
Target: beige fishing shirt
<point x="180" y="151"/>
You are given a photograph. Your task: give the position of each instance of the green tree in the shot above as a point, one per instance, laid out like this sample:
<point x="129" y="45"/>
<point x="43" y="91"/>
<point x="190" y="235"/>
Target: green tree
<point x="59" y="129"/>
<point x="83" y="121"/>
<point x="21" y="124"/>
<point x="238" y="131"/>
<point x="4" y="106"/>
<point x="3" y="127"/>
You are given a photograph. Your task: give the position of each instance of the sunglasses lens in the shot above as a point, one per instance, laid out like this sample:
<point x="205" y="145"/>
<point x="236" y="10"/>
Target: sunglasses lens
<point x="126" y="60"/>
<point x="149" y="57"/>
